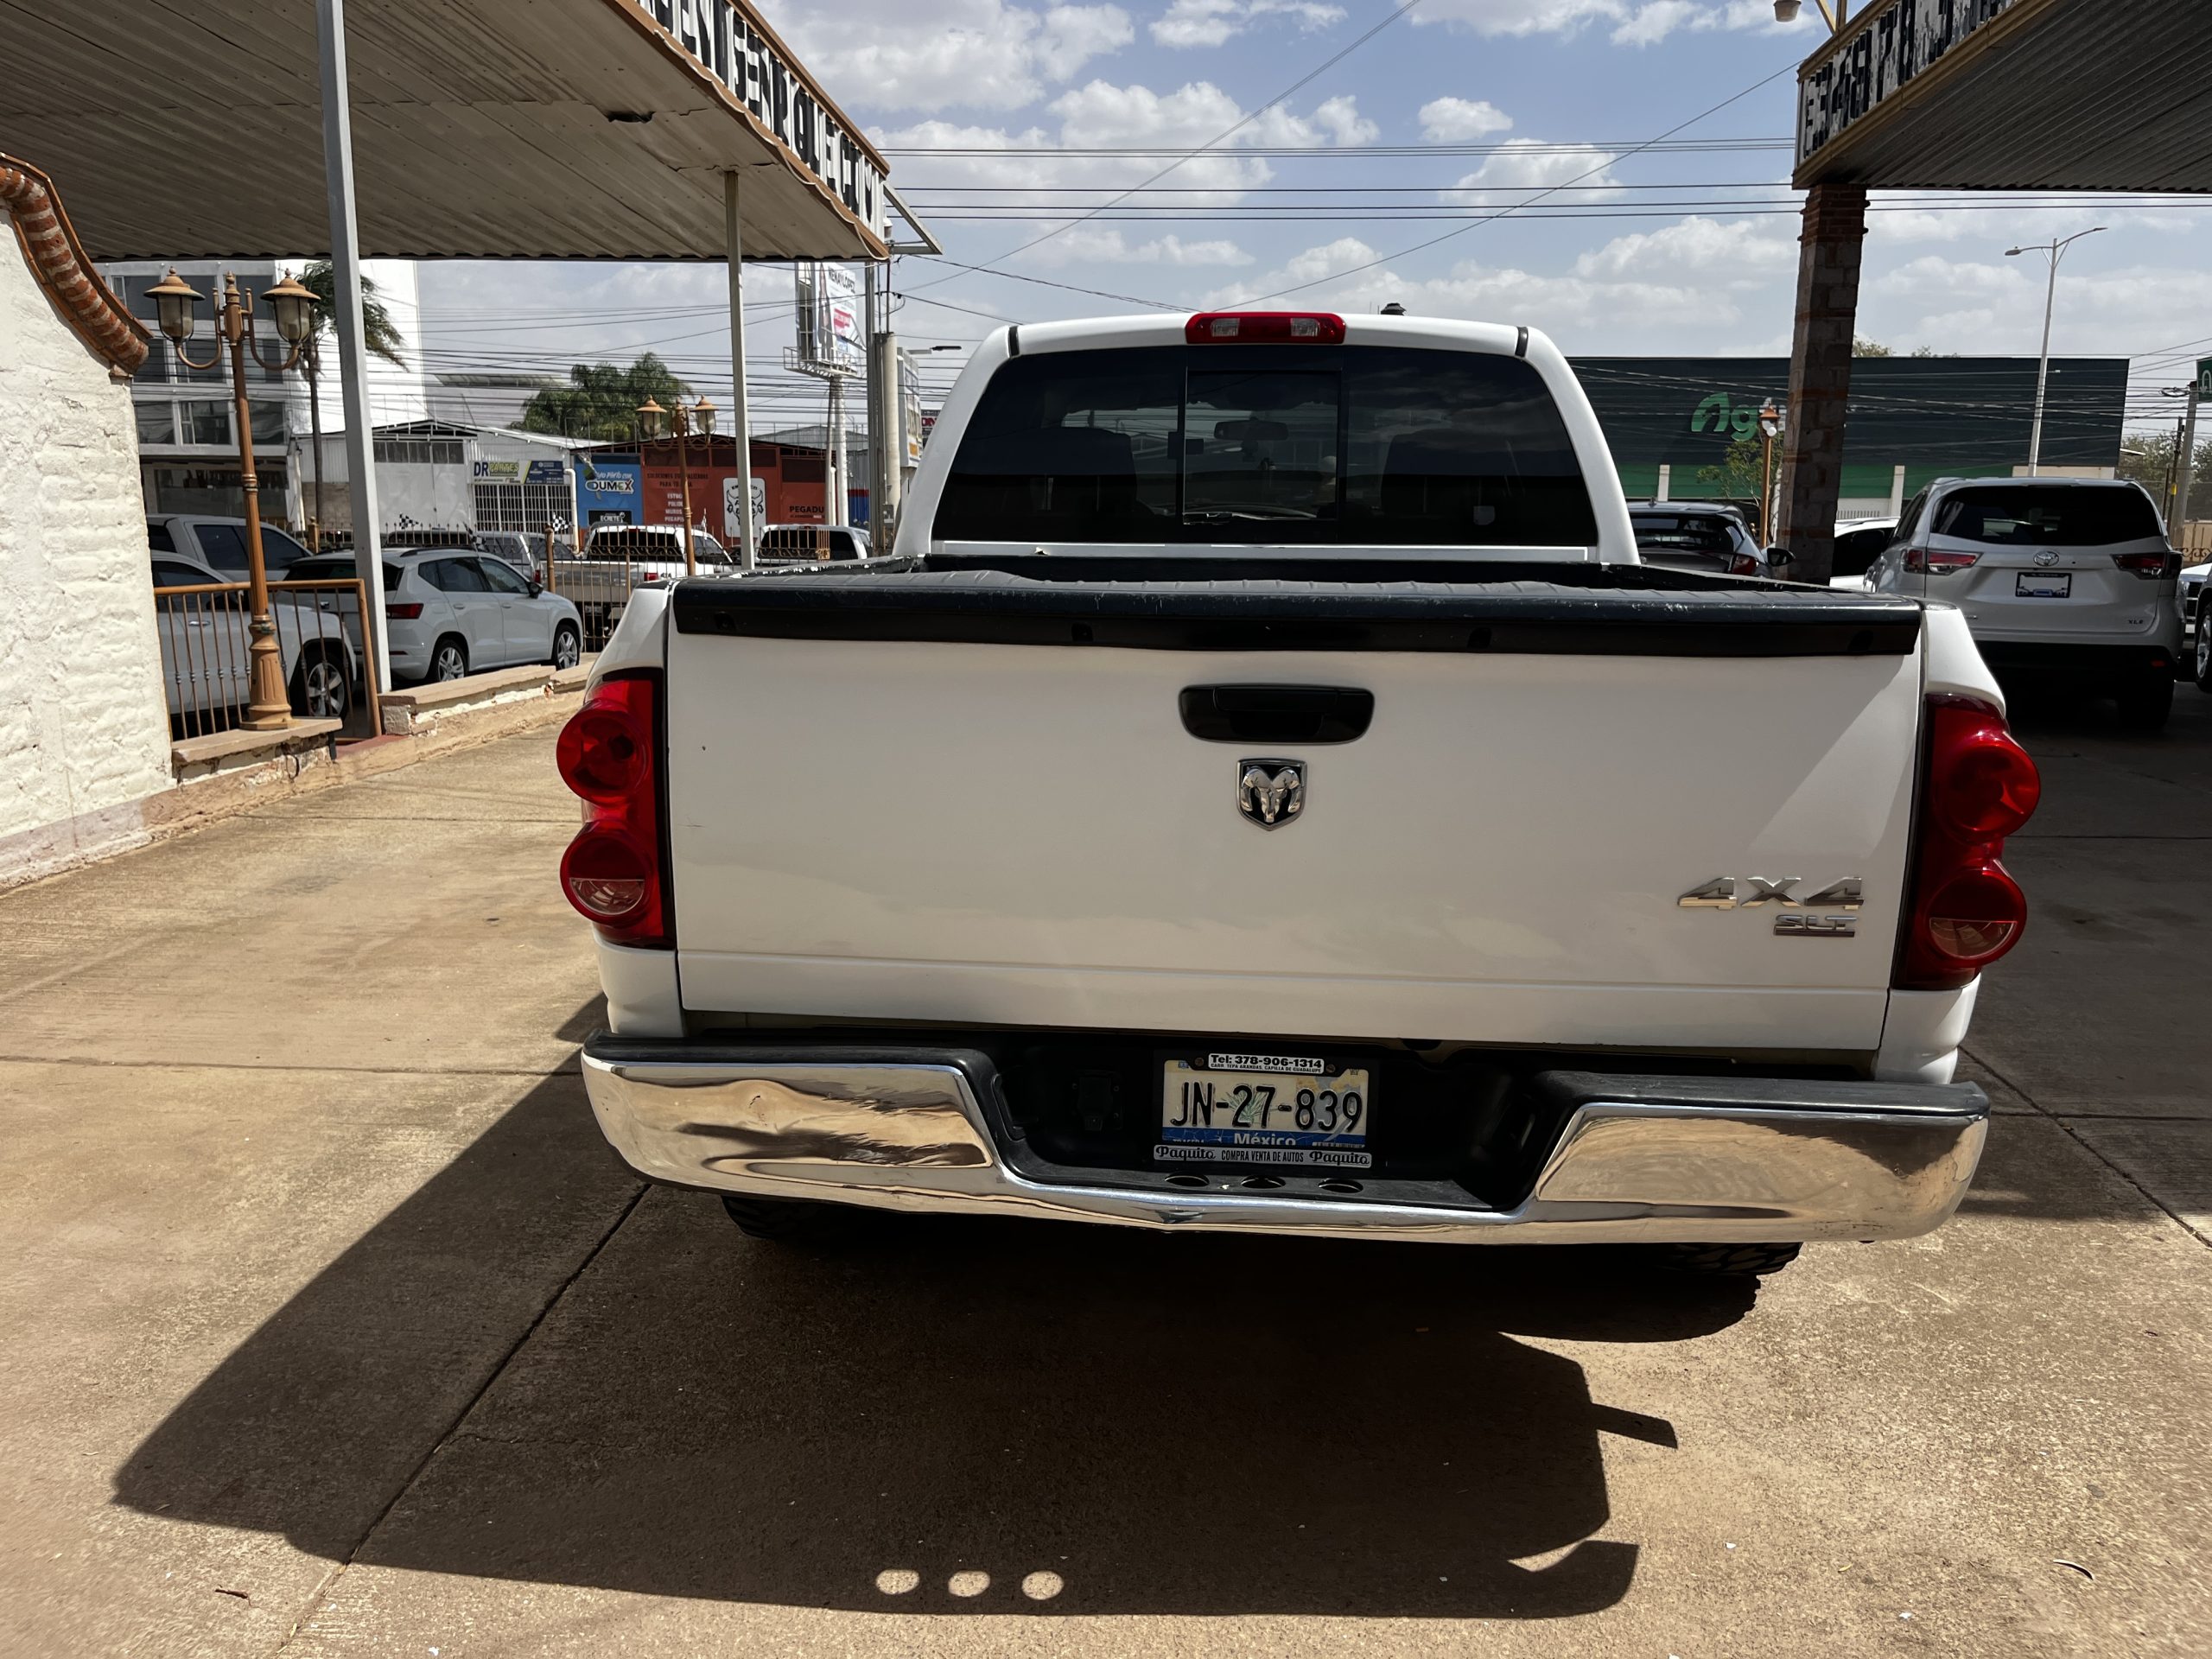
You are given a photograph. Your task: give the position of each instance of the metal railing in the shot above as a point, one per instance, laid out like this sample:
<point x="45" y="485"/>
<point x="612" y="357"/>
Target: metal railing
<point x="207" y="657"/>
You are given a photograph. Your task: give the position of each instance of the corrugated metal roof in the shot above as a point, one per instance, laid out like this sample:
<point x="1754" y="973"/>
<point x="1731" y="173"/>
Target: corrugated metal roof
<point x="2050" y="95"/>
<point x="481" y="129"/>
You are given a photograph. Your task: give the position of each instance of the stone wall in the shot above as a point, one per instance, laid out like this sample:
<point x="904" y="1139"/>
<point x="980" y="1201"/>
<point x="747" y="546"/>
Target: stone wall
<point x="84" y="735"/>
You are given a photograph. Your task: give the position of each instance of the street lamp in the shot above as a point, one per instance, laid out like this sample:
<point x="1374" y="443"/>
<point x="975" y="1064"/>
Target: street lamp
<point x="2057" y="249"/>
<point x="267" y="706"/>
<point x="685" y="426"/>
<point x="1771" y="422"/>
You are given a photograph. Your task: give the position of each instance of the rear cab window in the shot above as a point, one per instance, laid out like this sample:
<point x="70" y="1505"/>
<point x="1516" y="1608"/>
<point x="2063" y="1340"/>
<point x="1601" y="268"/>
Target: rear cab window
<point x="1267" y="445"/>
<point x="2031" y="515"/>
<point x="1703" y="536"/>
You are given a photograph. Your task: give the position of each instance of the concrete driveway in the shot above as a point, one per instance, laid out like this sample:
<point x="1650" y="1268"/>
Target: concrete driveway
<point x="332" y="1327"/>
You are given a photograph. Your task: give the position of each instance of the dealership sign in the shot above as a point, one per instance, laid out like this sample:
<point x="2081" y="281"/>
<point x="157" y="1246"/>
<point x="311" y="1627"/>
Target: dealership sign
<point x="734" y="46"/>
<point x="1888" y="47"/>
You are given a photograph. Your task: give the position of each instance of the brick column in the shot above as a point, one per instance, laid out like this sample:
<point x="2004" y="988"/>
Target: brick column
<point x="1820" y="375"/>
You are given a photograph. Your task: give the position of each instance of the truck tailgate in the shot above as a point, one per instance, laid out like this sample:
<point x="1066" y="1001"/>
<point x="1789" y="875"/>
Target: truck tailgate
<point x="952" y="799"/>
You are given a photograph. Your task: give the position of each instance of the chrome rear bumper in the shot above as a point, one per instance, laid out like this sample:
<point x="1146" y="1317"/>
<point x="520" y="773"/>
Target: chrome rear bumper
<point x="1635" y="1158"/>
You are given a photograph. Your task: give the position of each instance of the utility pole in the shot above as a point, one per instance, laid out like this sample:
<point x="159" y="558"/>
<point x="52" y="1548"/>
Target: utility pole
<point x="2057" y="249"/>
<point x="2185" y="458"/>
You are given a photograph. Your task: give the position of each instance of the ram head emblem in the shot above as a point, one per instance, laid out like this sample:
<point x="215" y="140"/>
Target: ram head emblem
<point x="1271" y="792"/>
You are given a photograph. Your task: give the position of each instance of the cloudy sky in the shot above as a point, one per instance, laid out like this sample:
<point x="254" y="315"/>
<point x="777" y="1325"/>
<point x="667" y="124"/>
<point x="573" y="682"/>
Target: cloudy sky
<point x="1377" y="178"/>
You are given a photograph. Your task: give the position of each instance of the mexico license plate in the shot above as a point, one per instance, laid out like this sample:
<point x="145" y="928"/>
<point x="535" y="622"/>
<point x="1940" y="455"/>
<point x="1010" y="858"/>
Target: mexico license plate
<point x="1264" y="1108"/>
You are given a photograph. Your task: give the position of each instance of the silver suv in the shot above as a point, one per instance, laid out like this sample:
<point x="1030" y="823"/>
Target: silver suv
<point x="2066" y="577"/>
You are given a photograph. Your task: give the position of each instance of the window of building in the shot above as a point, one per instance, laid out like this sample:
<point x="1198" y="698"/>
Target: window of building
<point x="156" y="423"/>
<point x="205" y="422"/>
<point x="419" y="452"/>
<point x="268" y="423"/>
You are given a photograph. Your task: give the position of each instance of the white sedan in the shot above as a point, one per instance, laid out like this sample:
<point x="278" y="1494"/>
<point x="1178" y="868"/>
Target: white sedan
<point x="449" y="611"/>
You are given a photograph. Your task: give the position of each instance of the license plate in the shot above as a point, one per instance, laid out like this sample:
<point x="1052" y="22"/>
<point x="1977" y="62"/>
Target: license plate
<point x="2035" y="584"/>
<point x="1264" y="1108"/>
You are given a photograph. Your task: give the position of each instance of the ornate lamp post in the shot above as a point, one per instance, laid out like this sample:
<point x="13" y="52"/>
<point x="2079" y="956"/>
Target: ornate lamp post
<point x="267" y="706"/>
<point x="685" y="426"/>
<point x="1771" y="422"/>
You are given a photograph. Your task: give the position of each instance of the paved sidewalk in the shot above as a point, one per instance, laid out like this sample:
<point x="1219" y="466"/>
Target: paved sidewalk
<point x="334" y="1327"/>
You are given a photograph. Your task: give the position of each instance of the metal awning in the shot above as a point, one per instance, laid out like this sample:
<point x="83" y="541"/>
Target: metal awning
<point x="2011" y="95"/>
<point x="481" y="129"/>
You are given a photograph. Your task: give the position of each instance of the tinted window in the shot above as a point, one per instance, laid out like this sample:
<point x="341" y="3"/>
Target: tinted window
<point x="1291" y="444"/>
<point x="158" y="537"/>
<point x="338" y="568"/>
<point x="1856" y="551"/>
<point x="1683" y="533"/>
<point x="2029" y="515"/>
<point x="455" y="576"/>
<point x="222" y="546"/>
<point x="169" y="574"/>
<point x="502" y="577"/>
<point x="278" y="550"/>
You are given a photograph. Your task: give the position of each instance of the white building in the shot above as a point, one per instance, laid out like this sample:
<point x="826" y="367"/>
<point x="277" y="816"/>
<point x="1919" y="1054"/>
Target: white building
<point x="187" y="440"/>
<point x="446" y="476"/>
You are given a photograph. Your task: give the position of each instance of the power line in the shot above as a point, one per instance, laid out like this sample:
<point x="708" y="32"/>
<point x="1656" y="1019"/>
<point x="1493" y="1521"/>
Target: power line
<point x="1419" y="247"/>
<point x="1319" y="69"/>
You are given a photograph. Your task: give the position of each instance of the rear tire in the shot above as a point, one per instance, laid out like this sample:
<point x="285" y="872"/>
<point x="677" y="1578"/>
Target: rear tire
<point x="2202" y="658"/>
<point x="791" y="1221"/>
<point x="449" y="658"/>
<point x="2145" y="704"/>
<point x="567" y="650"/>
<point x="319" y="689"/>
<point x="1733" y="1261"/>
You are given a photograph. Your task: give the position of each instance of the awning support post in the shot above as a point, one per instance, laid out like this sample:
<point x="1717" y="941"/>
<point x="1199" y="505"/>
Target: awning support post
<point x="741" y="425"/>
<point x="1820" y="376"/>
<point x="353" y="365"/>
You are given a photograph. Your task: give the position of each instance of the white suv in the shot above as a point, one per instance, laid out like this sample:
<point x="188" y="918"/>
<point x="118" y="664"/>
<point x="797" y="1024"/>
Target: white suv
<point x="2067" y="577"/>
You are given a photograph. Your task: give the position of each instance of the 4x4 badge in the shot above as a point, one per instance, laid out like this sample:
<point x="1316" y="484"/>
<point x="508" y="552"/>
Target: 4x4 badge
<point x="1756" y="892"/>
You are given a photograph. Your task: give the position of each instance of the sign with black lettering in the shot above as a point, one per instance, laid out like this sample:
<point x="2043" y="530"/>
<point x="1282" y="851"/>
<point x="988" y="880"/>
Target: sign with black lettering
<point x="733" y="45"/>
<point x="1884" y="51"/>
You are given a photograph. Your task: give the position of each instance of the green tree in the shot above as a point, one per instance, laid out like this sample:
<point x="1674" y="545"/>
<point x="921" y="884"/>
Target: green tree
<point x="1740" y="473"/>
<point x="2148" y="458"/>
<point x="601" y="401"/>
<point x="379" y="334"/>
<point x="1862" y="347"/>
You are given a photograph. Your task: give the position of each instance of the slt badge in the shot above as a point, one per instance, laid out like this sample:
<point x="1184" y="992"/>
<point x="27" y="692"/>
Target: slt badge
<point x="1270" y="792"/>
<point x="1756" y="892"/>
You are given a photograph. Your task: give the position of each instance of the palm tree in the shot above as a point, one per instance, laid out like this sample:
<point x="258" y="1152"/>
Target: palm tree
<point x="379" y="334"/>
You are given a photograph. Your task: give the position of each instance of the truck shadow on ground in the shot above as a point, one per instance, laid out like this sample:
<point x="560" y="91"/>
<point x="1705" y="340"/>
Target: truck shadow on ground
<point x="945" y="1415"/>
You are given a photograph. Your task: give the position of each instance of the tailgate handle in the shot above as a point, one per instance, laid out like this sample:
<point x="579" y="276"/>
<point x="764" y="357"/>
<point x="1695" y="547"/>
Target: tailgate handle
<point x="1277" y="713"/>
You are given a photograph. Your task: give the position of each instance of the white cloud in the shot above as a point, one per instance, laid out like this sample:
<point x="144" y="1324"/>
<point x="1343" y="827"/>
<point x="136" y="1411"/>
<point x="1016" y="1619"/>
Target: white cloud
<point x="935" y="55"/>
<point x="1089" y="244"/>
<point x="1635" y="23"/>
<point x="1742" y="249"/>
<point x="1459" y="120"/>
<point x="1583" y="313"/>
<point x="1211" y="23"/>
<point x="1523" y="165"/>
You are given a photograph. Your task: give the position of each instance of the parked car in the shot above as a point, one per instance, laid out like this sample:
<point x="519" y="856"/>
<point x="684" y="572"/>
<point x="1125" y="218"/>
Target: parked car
<point x="800" y="543"/>
<point x="1858" y="542"/>
<point x="1202" y="823"/>
<point x="2067" y="578"/>
<point x="1696" y="535"/>
<point x="450" y="612"/>
<point x="219" y="543"/>
<point x="653" y="550"/>
<point x="2190" y="590"/>
<point x="206" y="658"/>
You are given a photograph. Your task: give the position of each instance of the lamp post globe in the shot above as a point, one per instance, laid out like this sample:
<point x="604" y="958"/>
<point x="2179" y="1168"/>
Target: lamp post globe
<point x="1785" y="11"/>
<point x="174" y="299"/>
<point x="702" y="417"/>
<point x="652" y="416"/>
<point x="294" y="305"/>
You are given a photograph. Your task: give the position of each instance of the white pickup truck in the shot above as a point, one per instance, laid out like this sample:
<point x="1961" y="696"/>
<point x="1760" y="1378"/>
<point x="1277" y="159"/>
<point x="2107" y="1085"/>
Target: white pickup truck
<point x="1264" y="791"/>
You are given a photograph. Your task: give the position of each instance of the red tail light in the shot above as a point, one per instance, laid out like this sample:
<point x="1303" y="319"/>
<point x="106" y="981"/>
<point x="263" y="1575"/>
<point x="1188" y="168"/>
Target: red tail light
<point x="608" y="754"/>
<point x="1264" y="328"/>
<point x="1980" y="786"/>
<point x="1742" y="564"/>
<point x="403" y="610"/>
<point x="1930" y="563"/>
<point x="2148" y="567"/>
